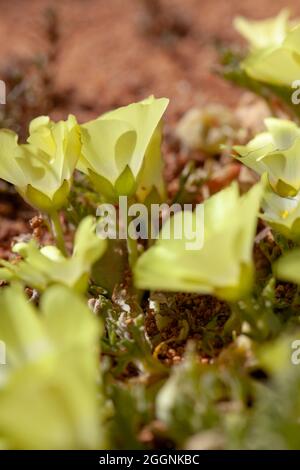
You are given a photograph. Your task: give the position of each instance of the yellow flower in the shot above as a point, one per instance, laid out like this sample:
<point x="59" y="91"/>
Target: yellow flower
<point x="43" y="267"/>
<point x="121" y="150"/>
<point x="42" y="169"/>
<point x="281" y="213"/>
<point x="279" y="63"/>
<point x="49" y="395"/>
<point x="277" y="153"/>
<point x="223" y="266"/>
<point x="264" y="33"/>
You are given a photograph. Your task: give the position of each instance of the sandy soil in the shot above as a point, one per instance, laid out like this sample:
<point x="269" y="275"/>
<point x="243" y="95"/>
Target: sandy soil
<point x="101" y="54"/>
<point x="112" y="52"/>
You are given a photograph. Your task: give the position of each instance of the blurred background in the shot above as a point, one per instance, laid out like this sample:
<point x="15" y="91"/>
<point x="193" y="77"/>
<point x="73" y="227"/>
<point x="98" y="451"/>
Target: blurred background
<point x="86" y="56"/>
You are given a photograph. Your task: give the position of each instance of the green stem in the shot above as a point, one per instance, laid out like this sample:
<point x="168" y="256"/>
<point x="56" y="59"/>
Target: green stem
<point x="132" y="245"/>
<point x="132" y="251"/>
<point x="234" y="323"/>
<point x="58" y="232"/>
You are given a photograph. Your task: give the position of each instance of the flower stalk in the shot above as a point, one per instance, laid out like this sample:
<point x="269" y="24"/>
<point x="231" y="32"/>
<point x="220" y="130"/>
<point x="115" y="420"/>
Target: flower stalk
<point x="58" y="232"/>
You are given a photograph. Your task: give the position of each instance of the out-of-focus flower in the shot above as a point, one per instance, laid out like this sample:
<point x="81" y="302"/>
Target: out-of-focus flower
<point x="42" y="169"/>
<point x="279" y="62"/>
<point x="46" y="266"/>
<point x="207" y="128"/>
<point x="287" y="267"/>
<point x="276" y="152"/>
<point x="49" y="397"/>
<point x="264" y="33"/>
<point x="223" y="266"/>
<point x="121" y="150"/>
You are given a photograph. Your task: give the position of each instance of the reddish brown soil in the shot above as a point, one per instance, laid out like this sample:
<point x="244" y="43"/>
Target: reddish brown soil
<point x="102" y="54"/>
<point x="112" y="52"/>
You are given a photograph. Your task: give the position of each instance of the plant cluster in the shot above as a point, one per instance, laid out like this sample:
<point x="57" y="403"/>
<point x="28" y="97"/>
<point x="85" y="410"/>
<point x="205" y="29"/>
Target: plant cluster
<point x="91" y="325"/>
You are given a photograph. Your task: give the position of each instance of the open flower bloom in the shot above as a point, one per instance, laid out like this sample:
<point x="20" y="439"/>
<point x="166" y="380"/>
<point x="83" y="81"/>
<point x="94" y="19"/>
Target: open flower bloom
<point x="223" y="266"/>
<point x="277" y="153"/>
<point x="279" y="63"/>
<point x="42" y="169"/>
<point x="121" y="150"/>
<point x="46" y="266"/>
<point x="264" y="33"/>
<point x="281" y="213"/>
<point x="49" y="396"/>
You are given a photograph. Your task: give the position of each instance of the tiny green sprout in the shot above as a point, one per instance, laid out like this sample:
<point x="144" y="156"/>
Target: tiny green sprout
<point x="277" y="153"/>
<point x="46" y="266"/>
<point x="264" y="33"/>
<point x="49" y="397"/>
<point x="275" y="59"/>
<point x="223" y="266"/>
<point x="42" y="169"/>
<point x="281" y="213"/>
<point x="121" y="151"/>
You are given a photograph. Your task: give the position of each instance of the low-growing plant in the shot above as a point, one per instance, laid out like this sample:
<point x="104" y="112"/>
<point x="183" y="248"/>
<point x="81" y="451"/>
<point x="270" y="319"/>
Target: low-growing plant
<point x="43" y="267"/>
<point x="223" y="390"/>
<point x="270" y="65"/>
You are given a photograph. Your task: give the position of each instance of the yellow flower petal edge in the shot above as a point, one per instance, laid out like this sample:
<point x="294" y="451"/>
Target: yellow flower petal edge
<point x="264" y="33"/>
<point x="223" y="266"/>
